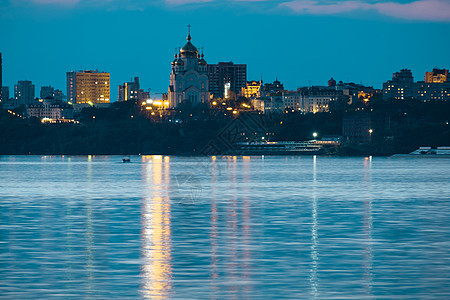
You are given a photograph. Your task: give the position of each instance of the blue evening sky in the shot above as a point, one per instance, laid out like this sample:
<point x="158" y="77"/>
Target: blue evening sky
<point x="301" y="42"/>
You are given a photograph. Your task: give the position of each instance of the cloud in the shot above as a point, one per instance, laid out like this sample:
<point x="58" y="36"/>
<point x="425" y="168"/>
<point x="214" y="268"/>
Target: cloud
<point x="432" y="10"/>
<point x="183" y="2"/>
<point x="421" y="10"/>
<point x="61" y="2"/>
<point x="428" y="10"/>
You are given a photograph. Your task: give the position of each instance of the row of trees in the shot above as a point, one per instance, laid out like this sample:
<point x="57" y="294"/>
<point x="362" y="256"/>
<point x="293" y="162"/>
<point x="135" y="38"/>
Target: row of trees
<point x="399" y="127"/>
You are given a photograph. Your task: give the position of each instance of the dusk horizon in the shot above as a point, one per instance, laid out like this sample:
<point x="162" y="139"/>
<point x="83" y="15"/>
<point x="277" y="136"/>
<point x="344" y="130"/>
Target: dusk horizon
<point x="301" y="43"/>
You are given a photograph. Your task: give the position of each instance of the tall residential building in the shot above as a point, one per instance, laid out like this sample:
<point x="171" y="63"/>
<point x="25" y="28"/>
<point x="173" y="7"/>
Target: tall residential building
<point x="130" y="91"/>
<point x="226" y="74"/>
<point x="400" y="87"/>
<point x="88" y="87"/>
<point x="24" y="92"/>
<point x="188" y="77"/>
<point x="437" y="76"/>
<point x="49" y="91"/>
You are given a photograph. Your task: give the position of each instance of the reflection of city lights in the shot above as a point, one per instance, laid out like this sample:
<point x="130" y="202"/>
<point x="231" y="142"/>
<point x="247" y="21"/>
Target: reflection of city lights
<point x="156" y="231"/>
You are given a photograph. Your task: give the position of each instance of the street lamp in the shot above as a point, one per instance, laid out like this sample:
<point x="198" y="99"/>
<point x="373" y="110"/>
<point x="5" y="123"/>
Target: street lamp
<point x="370" y="135"/>
<point x="314" y="134"/>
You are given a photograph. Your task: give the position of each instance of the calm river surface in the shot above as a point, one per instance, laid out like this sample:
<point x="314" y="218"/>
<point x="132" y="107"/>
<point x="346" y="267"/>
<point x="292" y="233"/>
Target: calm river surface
<point x="224" y="227"/>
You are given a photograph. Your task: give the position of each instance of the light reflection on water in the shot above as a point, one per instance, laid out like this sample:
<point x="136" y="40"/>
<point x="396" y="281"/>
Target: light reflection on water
<point x="156" y="233"/>
<point x="224" y="227"/>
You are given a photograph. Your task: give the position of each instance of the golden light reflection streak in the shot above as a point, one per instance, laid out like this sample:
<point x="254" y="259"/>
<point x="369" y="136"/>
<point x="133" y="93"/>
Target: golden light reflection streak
<point x="368" y="225"/>
<point x="314" y="236"/>
<point x="156" y="249"/>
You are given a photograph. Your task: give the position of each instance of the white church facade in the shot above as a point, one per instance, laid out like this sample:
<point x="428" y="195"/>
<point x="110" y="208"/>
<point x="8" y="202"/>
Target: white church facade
<point x="188" y="78"/>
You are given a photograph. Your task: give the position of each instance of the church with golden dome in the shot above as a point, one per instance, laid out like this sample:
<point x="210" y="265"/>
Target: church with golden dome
<point x="188" y="78"/>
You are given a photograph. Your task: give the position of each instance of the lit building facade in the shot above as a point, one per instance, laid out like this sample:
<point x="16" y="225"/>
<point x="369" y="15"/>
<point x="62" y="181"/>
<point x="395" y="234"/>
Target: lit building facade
<point x="88" y="87"/>
<point x="312" y="99"/>
<point x="432" y="91"/>
<point x="400" y="87"/>
<point x="50" y="108"/>
<point x="437" y="76"/>
<point x="226" y="74"/>
<point x="24" y="92"/>
<point x="188" y="78"/>
<point x="252" y="90"/>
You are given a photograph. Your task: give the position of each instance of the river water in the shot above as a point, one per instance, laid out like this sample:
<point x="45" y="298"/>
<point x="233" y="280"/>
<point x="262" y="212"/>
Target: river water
<point x="224" y="227"/>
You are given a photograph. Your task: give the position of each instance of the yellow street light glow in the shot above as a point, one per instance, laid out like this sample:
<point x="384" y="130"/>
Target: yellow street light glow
<point x="148" y="108"/>
<point x="166" y="103"/>
<point x="370" y="130"/>
<point x="153" y="113"/>
<point x="144" y="103"/>
<point x="234" y="112"/>
<point x="315" y="134"/>
<point x="214" y="103"/>
<point x="229" y="108"/>
<point x="157" y="102"/>
<point x="149" y="101"/>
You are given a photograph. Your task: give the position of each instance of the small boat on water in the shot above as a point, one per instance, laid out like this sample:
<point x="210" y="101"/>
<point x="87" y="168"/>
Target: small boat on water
<point x="126" y="159"/>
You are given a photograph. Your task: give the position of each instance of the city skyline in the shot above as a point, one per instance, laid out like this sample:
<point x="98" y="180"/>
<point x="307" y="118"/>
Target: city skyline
<point x="328" y="40"/>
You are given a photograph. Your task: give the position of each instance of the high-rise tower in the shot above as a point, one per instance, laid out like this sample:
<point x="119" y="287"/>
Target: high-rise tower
<point x="88" y="87"/>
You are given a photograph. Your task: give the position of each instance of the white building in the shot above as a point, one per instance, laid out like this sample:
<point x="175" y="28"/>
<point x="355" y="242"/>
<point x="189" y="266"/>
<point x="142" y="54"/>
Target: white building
<point x="312" y="99"/>
<point x="50" y="108"/>
<point x="188" y="78"/>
